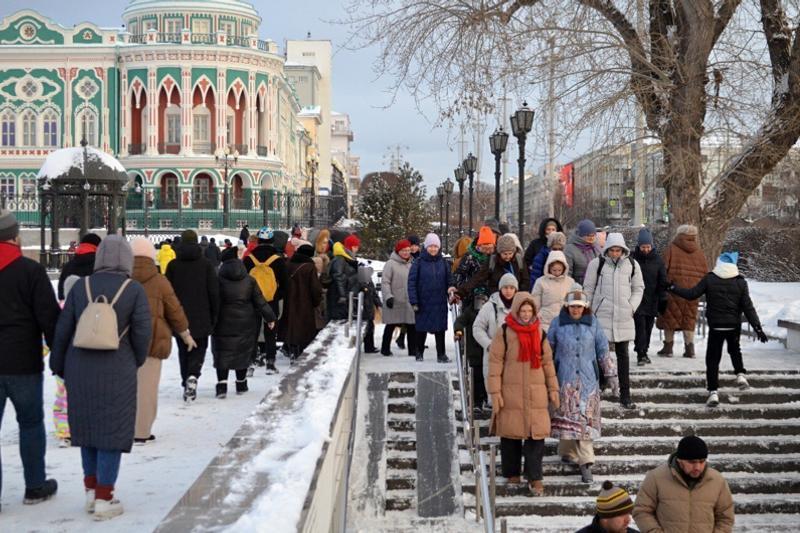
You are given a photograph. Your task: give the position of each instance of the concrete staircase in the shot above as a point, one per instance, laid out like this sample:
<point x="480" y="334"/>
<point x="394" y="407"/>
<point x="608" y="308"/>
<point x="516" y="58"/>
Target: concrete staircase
<point x="753" y="437"/>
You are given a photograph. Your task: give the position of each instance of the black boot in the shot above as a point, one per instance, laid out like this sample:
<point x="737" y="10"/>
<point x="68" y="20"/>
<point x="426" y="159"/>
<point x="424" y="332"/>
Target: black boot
<point x="241" y="386"/>
<point x="38" y="495"/>
<point x="222" y="389"/>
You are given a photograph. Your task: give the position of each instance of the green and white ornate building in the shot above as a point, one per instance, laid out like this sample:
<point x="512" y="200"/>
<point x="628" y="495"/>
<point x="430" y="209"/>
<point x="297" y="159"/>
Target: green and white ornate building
<point x="182" y="81"/>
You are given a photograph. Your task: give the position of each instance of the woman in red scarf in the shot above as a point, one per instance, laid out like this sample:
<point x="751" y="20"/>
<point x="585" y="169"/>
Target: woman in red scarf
<point x="523" y="384"/>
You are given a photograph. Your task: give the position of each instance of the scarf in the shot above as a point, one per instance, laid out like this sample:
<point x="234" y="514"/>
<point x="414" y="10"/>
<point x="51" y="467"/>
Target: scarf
<point x="85" y="248"/>
<point x="587" y="249"/>
<point x="8" y="254"/>
<point x="506" y="301"/>
<point x="530" y="341"/>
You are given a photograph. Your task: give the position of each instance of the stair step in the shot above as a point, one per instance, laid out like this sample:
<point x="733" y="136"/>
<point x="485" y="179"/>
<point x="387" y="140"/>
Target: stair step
<point x="403" y="445"/>
<point x="655" y="380"/>
<point x="697" y="395"/>
<point x="402" y="377"/>
<point x="408" y="408"/>
<point x="400" y="483"/>
<point x="401" y="392"/>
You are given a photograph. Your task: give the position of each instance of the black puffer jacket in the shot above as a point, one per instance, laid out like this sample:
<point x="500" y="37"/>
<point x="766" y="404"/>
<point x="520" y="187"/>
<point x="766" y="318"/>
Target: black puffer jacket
<point x="241" y="306"/>
<point x="81" y="265"/>
<point x="344" y="277"/>
<point x="195" y="282"/>
<point x="541" y="241"/>
<point x="654" y="273"/>
<point x="262" y="252"/>
<point x="726" y="300"/>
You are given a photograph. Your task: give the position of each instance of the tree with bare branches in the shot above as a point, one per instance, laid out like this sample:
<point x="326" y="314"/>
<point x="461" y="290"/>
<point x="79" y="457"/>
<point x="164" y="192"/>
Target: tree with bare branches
<point x="691" y="68"/>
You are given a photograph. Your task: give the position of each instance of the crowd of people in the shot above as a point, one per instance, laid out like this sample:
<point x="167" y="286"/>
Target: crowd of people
<point x="539" y="326"/>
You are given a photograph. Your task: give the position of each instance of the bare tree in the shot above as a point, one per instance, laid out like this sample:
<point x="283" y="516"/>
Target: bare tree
<point x="693" y="68"/>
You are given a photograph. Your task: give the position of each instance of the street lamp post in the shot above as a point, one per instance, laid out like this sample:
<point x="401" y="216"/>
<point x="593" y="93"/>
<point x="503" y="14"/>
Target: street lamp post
<point x="440" y="194"/>
<point x="470" y="165"/>
<point x="146" y="204"/>
<point x="226" y="160"/>
<point x="521" y="125"/>
<point x="448" y="191"/>
<point x="498" y="142"/>
<point x="460" y="176"/>
<point x="313" y="166"/>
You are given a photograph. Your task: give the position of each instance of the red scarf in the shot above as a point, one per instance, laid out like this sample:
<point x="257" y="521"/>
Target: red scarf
<point x="8" y="254"/>
<point x="85" y="248"/>
<point x="530" y="341"/>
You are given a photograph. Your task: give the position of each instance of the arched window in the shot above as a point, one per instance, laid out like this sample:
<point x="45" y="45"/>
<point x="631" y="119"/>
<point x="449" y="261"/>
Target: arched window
<point x="87" y="126"/>
<point x="202" y="192"/>
<point x="28" y="128"/>
<point x="169" y="190"/>
<point x="230" y="127"/>
<point x="201" y="129"/>
<point x="50" y="129"/>
<point x="173" y="126"/>
<point x="8" y="129"/>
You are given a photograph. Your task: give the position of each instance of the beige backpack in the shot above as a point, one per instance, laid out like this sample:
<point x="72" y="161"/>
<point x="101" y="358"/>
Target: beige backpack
<point x="97" y="326"/>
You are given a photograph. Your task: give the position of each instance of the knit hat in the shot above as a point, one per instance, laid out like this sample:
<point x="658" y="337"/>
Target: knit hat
<point x="143" y="248"/>
<point x="404" y="243"/>
<point x="189" y="236"/>
<point x="306" y="250"/>
<point x="688" y="229"/>
<point x="729" y="257"/>
<point x="493" y="224"/>
<point x="431" y="239"/>
<point x="508" y="280"/>
<point x="645" y="237"/>
<point x="691" y="448"/>
<point x="9" y="229"/>
<point x="506" y="244"/>
<point x="586" y="227"/>
<point x="576" y="297"/>
<point x="613" y="501"/>
<point x="351" y="242"/>
<point x="413" y="239"/>
<point x="486" y="236"/>
<point x="91" y="238"/>
<point x="556" y="238"/>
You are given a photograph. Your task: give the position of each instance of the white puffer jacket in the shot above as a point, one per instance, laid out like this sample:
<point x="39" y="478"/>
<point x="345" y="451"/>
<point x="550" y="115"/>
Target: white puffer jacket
<point x="549" y="291"/>
<point x="491" y="316"/>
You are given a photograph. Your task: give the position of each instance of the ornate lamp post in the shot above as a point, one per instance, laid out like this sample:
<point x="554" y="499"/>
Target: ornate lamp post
<point x="440" y="194"/>
<point x="461" y="177"/>
<point x="448" y="191"/>
<point x="470" y="165"/>
<point x="521" y="125"/>
<point x="498" y="142"/>
<point x="313" y="165"/>
<point x="226" y="160"/>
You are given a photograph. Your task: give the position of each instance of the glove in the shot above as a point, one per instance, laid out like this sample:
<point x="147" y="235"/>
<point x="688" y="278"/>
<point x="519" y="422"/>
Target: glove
<point x="555" y="400"/>
<point x="761" y="335"/>
<point x="390" y="303"/>
<point x="614" y="382"/>
<point x="458" y="335"/>
<point x="415" y="308"/>
<point x="497" y="401"/>
<point x="187" y="339"/>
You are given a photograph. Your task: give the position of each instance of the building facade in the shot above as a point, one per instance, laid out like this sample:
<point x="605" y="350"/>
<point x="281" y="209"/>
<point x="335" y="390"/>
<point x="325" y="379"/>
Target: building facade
<point x="185" y="87"/>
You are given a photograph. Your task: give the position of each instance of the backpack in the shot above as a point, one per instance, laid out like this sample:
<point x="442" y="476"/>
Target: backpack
<point x="97" y="326"/>
<point x="265" y="276"/>
<point x="603" y="262"/>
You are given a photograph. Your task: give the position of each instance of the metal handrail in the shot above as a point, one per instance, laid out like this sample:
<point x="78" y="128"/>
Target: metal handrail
<point x="478" y="459"/>
<point x="351" y="440"/>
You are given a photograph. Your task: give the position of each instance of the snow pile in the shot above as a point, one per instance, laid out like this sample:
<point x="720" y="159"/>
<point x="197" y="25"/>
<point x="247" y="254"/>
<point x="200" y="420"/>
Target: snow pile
<point x="61" y="161"/>
<point x="774" y="301"/>
<point x="299" y="433"/>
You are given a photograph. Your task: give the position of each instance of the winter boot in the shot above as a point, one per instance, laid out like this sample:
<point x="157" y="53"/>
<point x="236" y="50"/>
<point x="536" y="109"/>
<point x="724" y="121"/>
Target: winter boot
<point x="38" y="495"/>
<point x="627" y="404"/>
<point x="190" y="391"/>
<point x="241" y="386"/>
<point x="442" y="359"/>
<point x="586" y="473"/>
<point x="386" y="353"/>
<point x="641" y="359"/>
<point x="666" y="351"/>
<point x="688" y="350"/>
<point x="271" y="368"/>
<point x="419" y="357"/>
<point x="222" y="390"/>
<point x="89" y="484"/>
<point x="401" y="340"/>
<point x="741" y="382"/>
<point x="713" y="399"/>
<point x="142" y="442"/>
<point x="261" y="356"/>
<point x="514" y="480"/>
<point x="536" y="488"/>
<point x="106" y="506"/>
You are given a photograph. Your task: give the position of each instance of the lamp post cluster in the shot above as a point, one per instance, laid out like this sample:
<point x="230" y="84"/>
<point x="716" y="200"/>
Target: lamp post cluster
<point x="466" y="170"/>
<point x="226" y="160"/>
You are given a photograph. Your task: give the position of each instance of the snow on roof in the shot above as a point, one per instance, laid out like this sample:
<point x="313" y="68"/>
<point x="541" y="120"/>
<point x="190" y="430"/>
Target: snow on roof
<point x="61" y="161"/>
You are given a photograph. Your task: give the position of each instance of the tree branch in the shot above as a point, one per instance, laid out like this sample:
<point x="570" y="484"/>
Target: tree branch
<point x="723" y="17"/>
<point x="779" y="39"/>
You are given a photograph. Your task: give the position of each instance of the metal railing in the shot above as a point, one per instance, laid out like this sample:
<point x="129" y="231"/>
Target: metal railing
<point x="136" y="149"/>
<point x="203" y="38"/>
<point x="173" y="38"/>
<point x="237" y="40"/>
<point x="241" y="148"/>
<point x="169" y="148"/>
<point x="262" y="151"/>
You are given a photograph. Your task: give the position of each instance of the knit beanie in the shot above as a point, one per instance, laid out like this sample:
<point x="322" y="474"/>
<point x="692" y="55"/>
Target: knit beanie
<point x="351" y="242"/>
<point x="306" y="250"/>
<point x="404" y="243"/>
<point x="91" y="238"/>
<point x="9" y="229"/>
<point x="189" y="236"/>
<point x="692" y="448"/>
<point x="555" y="239"/>
<point x="729" y="257"/>
<point x="506" y="244"/>
<point x="576" y="297"/>
<point x="613" y="501"/>
<point x="413" y="239"/>
<point x="645" y="237"/>
<point x="493" y="224"/>
<point x="143" y="248"/>
<point x="586" y="227"/>
<point x="508" y="280"/>
<point x="486" y="236"/>
<point x="431" y="239"/>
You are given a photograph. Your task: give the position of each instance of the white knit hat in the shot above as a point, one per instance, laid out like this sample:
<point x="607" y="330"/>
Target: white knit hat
<point x="143" y="248"/>
<point x="576" y="297"/>
<point x="431" y="239"/>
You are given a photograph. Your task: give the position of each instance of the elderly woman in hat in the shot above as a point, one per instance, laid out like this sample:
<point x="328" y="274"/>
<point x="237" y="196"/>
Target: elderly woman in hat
<point x="580" y="352"/>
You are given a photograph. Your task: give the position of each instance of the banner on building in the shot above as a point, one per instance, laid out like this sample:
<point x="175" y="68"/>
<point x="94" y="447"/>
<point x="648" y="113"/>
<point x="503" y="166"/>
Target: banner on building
<point x="567" y="179"/>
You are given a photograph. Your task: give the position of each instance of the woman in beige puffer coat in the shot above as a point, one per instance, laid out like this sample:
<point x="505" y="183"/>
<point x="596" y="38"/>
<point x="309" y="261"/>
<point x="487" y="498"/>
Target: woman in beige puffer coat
<point x="550" y="290"/>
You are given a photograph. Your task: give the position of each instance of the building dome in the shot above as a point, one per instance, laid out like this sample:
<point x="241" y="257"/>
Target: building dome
<point x="232" y="7"/>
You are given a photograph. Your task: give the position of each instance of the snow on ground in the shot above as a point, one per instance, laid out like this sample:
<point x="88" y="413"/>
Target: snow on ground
<point x="152" y="477"/>
<point x="775" y="301"/>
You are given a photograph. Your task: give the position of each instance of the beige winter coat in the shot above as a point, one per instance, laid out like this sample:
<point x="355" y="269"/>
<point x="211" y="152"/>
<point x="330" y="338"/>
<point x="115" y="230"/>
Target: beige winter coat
<point x="666" y="504"/>
<point x="549" y="291"/>
<point x="524" y="389"/>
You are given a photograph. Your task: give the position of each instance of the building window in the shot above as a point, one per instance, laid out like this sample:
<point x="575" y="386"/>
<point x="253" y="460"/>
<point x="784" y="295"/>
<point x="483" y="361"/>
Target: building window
<point x="50" y="129"/>
<point x="8" y="129"/>
<point x="201" y="130"/>
<point x="201" y="191"/>
<point x="230" y="123"/>
<point x="28" y="187"/>
<point x="169" y="190"/>
<point x="173" y="125"/>
<point x="133" y="27"/>
<point x="7" y="187"/>
<point x="228" y="27"/>
<point x="173" y="25"/>
<point x="87" y="126"/>
<point x="150" y="25"/>
<point x="28" y="129"/>
<point x="201" y="27"/>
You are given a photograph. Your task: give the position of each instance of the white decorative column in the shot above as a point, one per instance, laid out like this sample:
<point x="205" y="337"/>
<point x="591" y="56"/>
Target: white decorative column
<point x="252" y="128"/>
<point x="124" y="114"/>
<point x="186" y="113"/>
<point x="152" y="113"/>
<point x="105" y="141"/>
<point x="222" y="109"/>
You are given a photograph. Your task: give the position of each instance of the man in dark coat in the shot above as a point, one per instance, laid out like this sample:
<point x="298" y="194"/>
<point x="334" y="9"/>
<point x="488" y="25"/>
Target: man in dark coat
<point x="654" y="300"/>
<point x="371" y="302"/>
<point x="212" y="253"/>
<point x="196" y="286"/>
<point x="303" y="296"/>
<point x="262" y="253"/>
<point x="82" y="264"/>
<point x="546" y="227"/>
<point x="29" y="310"/>
<point x="344" y="277"/>
<point x="244" y="234"/>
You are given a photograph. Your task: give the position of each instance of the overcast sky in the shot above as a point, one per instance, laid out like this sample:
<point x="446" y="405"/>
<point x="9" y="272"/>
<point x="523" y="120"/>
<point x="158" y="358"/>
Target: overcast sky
<point x="435" y="152"/>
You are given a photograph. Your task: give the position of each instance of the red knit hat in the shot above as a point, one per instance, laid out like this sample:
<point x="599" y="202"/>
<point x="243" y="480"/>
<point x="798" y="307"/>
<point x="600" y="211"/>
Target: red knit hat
<point x="351" y="241"/>
<point x="405" y="243"/>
